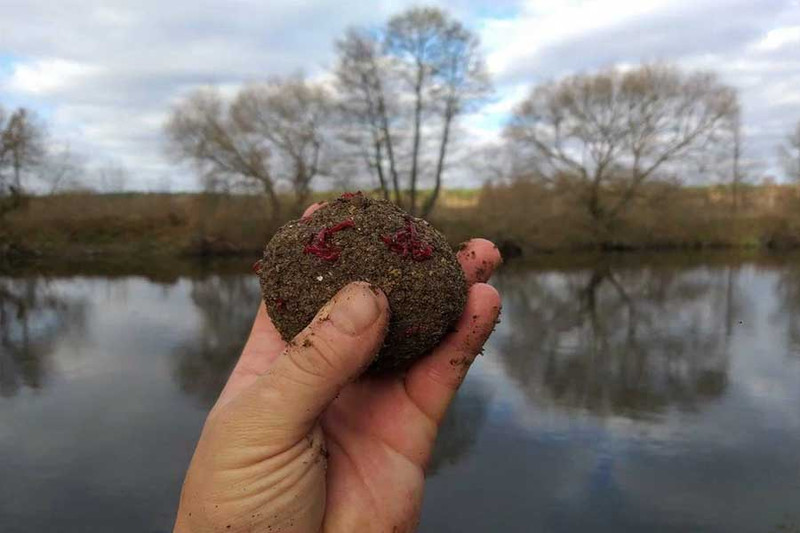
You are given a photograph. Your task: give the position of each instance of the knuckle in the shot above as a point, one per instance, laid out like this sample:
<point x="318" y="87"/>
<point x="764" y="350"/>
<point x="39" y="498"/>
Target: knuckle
<point x="315" y="358"/>
<point x="450" y="373"/>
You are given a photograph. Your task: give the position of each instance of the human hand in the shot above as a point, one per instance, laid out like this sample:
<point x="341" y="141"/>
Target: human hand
<point x="296" y="444"/>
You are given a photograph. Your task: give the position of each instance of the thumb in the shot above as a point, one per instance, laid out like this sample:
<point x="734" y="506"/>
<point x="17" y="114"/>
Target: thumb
<point x="338" y="344"/>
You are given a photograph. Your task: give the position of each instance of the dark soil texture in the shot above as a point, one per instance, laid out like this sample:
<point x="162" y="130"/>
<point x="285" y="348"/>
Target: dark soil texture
<point x="355" y="238"/>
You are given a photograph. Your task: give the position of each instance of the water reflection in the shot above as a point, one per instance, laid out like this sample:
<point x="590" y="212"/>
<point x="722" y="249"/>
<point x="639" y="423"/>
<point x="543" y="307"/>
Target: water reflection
<point x="460" y="429"/>
<point x="226" y="306"/>
<point x="621" y="341"/>
<point x="787" y="290"/>
<point x="620" y="397"/>
<point x="33" y="318"/>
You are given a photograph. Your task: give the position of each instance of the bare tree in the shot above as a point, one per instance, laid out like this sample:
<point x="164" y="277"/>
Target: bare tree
<point x="293" y="117"/>
<point x="61" y="170"/>
<point x="201" y="130"/>
<point x="407" y="83"/>
<point x="790" y="154"/>
<point x="21" y="149"/>
<point x="607" y="134"/>
<point x="737" y="176"/>
<point x="737" y="166"/>
<point x="494" y="163"/>
<point x="270" y="134"/>
<point x="112" y="178"/>
<point x="361" y="77"/>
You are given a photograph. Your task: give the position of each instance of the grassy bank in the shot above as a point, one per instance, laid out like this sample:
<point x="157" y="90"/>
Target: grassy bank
<point x="533" y="219"/>
<point x="524" y="218"/>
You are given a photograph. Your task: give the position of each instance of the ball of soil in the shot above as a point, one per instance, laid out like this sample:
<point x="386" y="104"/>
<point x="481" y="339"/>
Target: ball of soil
<point x="355" y="238"/>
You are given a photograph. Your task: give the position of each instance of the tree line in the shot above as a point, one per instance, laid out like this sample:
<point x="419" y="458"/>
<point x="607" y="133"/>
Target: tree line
<point x="386" y="117"/>
<point x="397" y="92"/>
<point x="21" y="147"/>
<point x="390" y="111"/>
<point x="31" y="161"/>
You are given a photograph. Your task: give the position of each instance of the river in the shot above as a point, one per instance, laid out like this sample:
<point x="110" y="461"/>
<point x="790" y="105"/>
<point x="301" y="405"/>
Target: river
<point x="626" y="393"/>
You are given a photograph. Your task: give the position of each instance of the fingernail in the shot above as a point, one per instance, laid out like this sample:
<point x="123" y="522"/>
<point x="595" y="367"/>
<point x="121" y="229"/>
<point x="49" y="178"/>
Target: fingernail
<point x="355" y="309"/>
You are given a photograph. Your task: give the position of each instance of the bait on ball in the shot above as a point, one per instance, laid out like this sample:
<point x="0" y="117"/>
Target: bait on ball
<point x="355" y="238"/>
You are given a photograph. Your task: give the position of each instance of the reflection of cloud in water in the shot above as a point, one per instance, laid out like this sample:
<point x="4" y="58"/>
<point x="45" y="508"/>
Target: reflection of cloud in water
<point x="516" y="454"/>
<point x="34" y="317"/>
<point x="787" y="289"/>
<point x="226" y="306"/>
<point x="460" y="428"/>
<point x="620" y="342"/>
<point x="727" y="465"/>
<point x="105" y="445"/>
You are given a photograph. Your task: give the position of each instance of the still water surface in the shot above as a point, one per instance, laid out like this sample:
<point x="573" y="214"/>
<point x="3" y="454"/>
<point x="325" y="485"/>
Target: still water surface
<point x="644" y="394"/>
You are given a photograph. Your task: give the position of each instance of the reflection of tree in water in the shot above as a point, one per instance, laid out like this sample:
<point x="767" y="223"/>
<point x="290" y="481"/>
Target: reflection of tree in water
<point x="227" y="306"/>
<point x="33" y="317"/>
<point x="788" y="293"/>
<point x="630" y="342"/>
<point x="460" y="428"/>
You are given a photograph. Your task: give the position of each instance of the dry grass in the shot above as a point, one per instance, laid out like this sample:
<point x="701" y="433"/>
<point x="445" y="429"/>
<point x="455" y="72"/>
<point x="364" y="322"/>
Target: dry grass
<point x="539" y="219"/>
<point x="142" y="223"/>
<point x="523" y="215"/>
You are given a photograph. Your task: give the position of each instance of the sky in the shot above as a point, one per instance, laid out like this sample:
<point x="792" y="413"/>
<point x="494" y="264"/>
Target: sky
<point x="104" y="74"/>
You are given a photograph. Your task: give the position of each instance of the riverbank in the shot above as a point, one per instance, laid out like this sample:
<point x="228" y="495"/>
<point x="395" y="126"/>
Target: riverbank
<point x="524" y="219"/>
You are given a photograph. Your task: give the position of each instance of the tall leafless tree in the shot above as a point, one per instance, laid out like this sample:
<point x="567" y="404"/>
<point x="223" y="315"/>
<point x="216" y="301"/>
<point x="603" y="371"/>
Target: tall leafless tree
<point x="366" y="101"/>
<point x="294" y="117"/>
<point x="738" y="166"/>
<point x="271" y="134"/>
<point x="407" y="83"/>
<point x="607" y="134"/>
<point x="21" y="150"/>
<point x="112" y="177"/>
<point x="790" y="155"/>
<point x="737" y="174"/>
<point x="63" y="170"/>
<point x="201" y="130"/>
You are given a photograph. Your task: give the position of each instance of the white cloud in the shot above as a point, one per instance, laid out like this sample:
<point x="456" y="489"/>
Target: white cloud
<point x="48" y="76"/>
<point x="753" y="45"/>
<point x="780" y="37"/>
<point x="544" y="24"/>
<point x="107" y="74"/>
